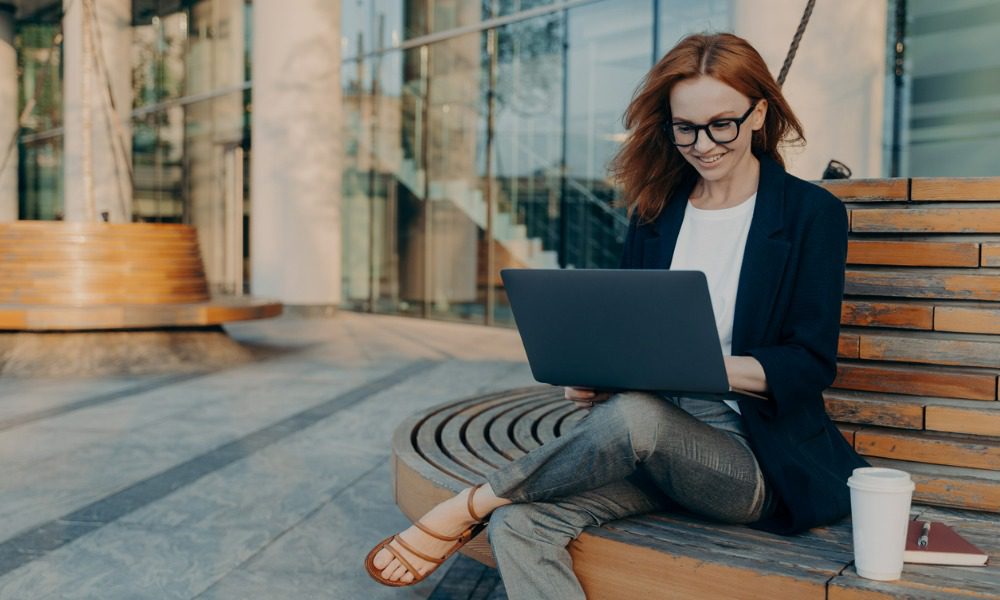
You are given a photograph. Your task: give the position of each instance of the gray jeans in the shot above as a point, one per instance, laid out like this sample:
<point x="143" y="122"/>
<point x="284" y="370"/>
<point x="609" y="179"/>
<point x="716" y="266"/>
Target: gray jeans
<point x="632" y="454"/>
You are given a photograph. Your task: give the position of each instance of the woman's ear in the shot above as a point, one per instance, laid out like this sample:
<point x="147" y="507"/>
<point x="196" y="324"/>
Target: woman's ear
<point x="759" y="114"/>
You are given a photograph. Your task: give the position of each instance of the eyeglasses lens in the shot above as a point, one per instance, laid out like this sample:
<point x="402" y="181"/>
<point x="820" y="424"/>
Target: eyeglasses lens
<point x="720" y="132"/>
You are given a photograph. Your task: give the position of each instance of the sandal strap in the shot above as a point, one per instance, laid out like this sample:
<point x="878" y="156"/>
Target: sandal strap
<point x="416" y="552"/>
<point x="443" y="538"/>
<point x="416" y="574"/>
<point x="472" y="494"/>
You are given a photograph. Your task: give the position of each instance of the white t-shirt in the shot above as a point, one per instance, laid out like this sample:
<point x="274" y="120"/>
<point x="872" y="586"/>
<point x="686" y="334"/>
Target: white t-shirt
<point x="713" y="241"/>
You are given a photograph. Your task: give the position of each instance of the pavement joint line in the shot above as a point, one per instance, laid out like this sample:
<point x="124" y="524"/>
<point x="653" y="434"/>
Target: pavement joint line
<point x="326" y="502"/>
<point x="37" y="542"/>
<point x="55" y="411"/>
<point x="160" y="382"/>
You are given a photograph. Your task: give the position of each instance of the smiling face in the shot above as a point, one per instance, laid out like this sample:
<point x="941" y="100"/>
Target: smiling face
<point x="703" y="101"/>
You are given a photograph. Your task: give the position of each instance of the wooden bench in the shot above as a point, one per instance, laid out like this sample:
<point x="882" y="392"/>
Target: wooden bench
<point x="89" y="276"/>
<point x="917" y="390"/>
<point x="65" y="285"/>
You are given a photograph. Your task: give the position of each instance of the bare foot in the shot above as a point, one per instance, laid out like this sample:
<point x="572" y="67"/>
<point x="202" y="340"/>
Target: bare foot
<point x="450" y="518"/>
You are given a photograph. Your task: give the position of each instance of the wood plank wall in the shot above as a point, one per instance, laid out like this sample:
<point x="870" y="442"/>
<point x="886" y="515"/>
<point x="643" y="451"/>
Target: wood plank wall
<point x="919" y="371"/>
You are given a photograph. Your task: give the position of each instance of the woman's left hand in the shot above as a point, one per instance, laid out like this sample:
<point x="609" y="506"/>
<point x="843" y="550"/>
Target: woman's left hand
<point x="745" y="373"/>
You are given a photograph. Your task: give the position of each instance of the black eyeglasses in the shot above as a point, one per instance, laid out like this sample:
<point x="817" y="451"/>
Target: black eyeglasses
<point x="720" y="131"/>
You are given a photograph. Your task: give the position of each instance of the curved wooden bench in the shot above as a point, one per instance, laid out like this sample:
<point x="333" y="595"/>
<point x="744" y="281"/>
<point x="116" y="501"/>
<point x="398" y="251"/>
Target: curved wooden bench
<point x="917" y="389"/>
<point x="107" y="276"/>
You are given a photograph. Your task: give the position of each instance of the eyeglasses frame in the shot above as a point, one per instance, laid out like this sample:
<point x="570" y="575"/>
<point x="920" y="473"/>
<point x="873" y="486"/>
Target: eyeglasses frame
<point x="698" y="128"/>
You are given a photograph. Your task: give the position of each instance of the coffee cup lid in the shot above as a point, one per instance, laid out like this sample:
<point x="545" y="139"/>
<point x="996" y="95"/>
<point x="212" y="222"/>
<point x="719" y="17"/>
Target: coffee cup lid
<point x="880" y="479"/>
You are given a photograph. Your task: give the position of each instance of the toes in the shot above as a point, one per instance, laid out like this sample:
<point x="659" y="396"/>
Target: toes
<point x="398" y="573"/>
<point x="408" y="577"/>
<point x="390" y="568"/>
<point x="381" y="560"/>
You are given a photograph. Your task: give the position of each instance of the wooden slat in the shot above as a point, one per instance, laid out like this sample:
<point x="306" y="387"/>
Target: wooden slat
<point x="938" y="449"/>
<point x="848" y="346"/>
<point x="99" y="264"/>
<point x="867" y="190"/>
<point x="960" y="189"/>
<point x="926" y="220"/>
<point x="848" y="431"/>
<point x="977" y="420"/>
<point x="923" y="381"/>
<point x="887" y="314"/>
<point x="913" y="253"/>
<point x="957" y="487"/>
<point x="939" y="283"/>
<point x="937" y="350"/>
<point x="968" y="319"/>
<point x="611" y="565"/>
<point x="874" y="409"/>
<point x="991" y="254"/>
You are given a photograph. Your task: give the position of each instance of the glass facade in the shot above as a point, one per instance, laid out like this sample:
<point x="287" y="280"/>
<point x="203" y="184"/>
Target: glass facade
<point x="476" y="135"/>
<point x="488" y="149"/>
<point x="950" y="93"/>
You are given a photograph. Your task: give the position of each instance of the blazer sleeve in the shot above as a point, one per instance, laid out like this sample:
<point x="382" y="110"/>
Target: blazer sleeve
<point x="804" y="362"/>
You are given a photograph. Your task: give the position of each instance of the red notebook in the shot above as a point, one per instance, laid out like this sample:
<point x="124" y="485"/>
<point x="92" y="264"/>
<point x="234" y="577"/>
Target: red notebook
<point x="944" y="547"/>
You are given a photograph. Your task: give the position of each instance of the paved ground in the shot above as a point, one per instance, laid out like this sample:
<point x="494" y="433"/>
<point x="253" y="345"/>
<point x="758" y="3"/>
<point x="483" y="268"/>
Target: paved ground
<point x="270" y="480"/>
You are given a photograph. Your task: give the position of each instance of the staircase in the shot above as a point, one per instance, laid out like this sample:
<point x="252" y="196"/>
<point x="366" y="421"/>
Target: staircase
<point x="512" y="236"/>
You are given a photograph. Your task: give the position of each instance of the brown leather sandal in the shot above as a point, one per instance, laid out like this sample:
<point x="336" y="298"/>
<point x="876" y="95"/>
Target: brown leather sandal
<point x="460" y="540"/>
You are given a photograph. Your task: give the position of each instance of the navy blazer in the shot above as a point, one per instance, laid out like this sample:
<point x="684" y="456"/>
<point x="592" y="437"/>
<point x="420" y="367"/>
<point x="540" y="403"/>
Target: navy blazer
<point x="787" y="316"/>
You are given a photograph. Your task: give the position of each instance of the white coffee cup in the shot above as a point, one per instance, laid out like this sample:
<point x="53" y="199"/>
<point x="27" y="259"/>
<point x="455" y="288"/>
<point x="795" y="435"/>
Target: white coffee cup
<point x="880" y="509"/>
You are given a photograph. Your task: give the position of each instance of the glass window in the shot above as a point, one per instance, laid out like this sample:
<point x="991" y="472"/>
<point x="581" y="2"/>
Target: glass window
<point x="609" y="50"/>
<point x="679" y="18"/>
<point x="527" y="152"/>
<point x="950" y="121"/>
<point x="455" y="214"/>
<point x="158" y="52"/>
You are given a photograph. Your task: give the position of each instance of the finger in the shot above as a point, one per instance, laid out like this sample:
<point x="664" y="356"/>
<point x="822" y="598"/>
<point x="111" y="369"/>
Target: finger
<point x="578" y="393"/>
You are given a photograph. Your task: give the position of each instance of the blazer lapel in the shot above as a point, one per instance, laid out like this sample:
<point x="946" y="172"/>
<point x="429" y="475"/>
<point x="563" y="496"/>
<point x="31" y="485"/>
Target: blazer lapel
<point x="658" y="250"/>
<point x="763" y="260"/>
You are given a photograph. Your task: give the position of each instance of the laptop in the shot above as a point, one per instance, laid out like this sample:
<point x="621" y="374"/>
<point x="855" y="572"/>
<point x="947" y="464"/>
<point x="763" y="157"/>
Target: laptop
<point x="614" y="329"/>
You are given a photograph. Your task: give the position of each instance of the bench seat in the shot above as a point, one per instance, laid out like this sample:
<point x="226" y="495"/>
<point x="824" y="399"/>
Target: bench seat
<point x="440" y="451"/>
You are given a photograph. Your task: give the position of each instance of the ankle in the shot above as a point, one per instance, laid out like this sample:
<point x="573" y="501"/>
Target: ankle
<point x="484" y="502"/>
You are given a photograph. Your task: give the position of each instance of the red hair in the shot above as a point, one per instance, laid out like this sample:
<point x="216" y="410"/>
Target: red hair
<point x="647" y="165"/>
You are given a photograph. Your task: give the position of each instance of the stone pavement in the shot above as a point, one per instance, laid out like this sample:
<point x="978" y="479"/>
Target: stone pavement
<point x="268" y="480"/>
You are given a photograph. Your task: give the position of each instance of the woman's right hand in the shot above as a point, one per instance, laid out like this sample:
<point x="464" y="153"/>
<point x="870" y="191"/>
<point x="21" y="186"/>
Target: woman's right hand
<point x="585" y="397"/>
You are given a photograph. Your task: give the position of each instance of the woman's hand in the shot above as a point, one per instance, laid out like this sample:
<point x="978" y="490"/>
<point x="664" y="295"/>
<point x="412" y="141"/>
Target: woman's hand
<point x="746" y="373"/>
<point x="585" y="397"/>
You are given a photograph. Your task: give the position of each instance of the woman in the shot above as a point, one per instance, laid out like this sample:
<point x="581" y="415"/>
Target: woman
<point x="707" y="190"/>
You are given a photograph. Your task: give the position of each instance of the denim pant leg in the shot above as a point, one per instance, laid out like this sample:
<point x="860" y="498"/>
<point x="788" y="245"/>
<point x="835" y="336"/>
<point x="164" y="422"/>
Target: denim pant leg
<point x="705" y="469"/>
<point x="579" y="480"/>
<point x="530" y="540"/>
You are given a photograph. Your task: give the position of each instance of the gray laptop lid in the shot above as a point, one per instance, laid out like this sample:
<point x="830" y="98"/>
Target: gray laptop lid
<point x="618" y="329"/>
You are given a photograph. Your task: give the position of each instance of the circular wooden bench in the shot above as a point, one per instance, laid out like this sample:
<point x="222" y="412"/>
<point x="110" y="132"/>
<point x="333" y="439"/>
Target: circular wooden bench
<point x="143" y="279"/>
<point x="439" y="451"/>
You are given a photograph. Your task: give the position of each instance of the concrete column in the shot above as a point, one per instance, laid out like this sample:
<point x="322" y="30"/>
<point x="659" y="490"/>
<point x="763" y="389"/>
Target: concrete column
<point x="295" y="238"/>
<point x="107" y="181"/>
<point x="8" y="114"/>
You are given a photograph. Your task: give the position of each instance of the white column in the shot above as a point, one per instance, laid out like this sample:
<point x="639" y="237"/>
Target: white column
<point x="108" y="183"/>
<point x="296" y="157"/>
<point x="8" y="114"/>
